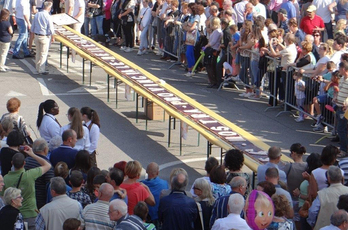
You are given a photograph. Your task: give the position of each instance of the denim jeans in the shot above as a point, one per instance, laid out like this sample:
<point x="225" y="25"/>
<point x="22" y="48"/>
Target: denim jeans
<point x="255" y="73"/>
<point x="342" y="129"/>
<point x="143" y="38"/>
<point x="97" y="25"/>
<point x="86" y="26"/>
<point x="22" y="39"/>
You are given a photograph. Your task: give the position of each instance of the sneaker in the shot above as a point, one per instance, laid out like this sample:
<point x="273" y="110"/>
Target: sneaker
<point x="128" y="50"/>
<point x="139" y="53"/>
<point x="326" y="129"/>
<point x="319" y="128"/>
<point x="159" y="53"/>
<point x="255" y="97"/>
<point x="2" y="70"/>
<point x="314" y="125"/>
<point x="123" y="48"/>
<point x="243" y="94"/>
<point x="299" y="119"/>
<point x="188" y="74"/>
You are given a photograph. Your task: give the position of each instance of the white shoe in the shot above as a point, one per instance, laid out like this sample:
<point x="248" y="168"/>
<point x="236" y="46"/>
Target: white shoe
<point x="2" y="69"/>
<point x="243" y="94"/>
<point x="299" y="119"/>
<point x="139" y="53"/>
<point x="236" y="78"/>
<point x="123" y="48"/>
<point x="188" y="74"/>
<point x="128" y="50"/>
<point x="159" y="53"/>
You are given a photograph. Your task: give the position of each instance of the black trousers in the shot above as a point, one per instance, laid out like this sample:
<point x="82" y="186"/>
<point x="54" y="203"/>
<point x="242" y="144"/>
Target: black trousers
<point x="128" y="30"/>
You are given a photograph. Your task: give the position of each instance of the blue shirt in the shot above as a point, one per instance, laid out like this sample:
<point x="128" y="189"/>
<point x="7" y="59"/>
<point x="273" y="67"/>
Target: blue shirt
<point x="63" y="153"/>
<point x="236" y="37"/>
<point x="42" y="24"/>
<point x="290" y="9"/>
<point x="116" y="196"/>
<point x="155" y="185"/>
<point x="261" y="171"/>
<point x="249" y="17"/>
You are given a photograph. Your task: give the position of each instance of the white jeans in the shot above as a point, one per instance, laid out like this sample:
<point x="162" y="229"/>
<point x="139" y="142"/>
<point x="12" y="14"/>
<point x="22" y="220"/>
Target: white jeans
<point x="42" y="45"/>
<point x="4" y="47"/>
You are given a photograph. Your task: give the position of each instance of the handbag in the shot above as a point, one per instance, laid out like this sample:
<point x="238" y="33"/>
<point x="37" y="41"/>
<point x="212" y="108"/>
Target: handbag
<point x="191" y="37"/>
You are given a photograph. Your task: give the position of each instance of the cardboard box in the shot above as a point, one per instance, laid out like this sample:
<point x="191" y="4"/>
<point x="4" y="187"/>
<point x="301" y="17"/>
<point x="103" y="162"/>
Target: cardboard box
<point x="155" y="112"/>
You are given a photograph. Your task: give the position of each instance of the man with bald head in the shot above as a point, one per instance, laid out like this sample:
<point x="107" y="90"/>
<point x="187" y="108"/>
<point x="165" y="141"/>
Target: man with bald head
<point x="156" y="185"/>
<point x="178" y="211"/>
<point x="40" y="148"/>
<point x="239" y="186"/>
<point x="95" y="216"/>
<point x="118" y="212"/>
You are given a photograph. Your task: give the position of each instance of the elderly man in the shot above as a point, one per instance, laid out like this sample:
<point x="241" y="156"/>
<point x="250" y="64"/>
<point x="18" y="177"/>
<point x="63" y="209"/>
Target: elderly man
<point x="274" y="155"/>
<point x="248" y="13"/>
<point x="156" y="185"/>
<point x="95" y="216"/>
<point x="118" y="212"/>
<point x="325" y="204"/>
<point x="239" y="8"/>
<point x="339" y="221"/>
<point x="178" y="211"/>
<point x="40" y="148"/>
<point x="25" y="180"/>
<point x="311" y="21"/>
<point x="65" y="152"/>
<point x="235" y="206"/>
<point x="43" y="29"/>
<point x="61" y="208"/>
<point x="238" y="185"/>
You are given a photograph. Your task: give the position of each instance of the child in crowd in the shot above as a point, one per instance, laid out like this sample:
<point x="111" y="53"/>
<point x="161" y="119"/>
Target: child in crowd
<point x="61" y="170"/>
<point x="72" y="224"/>
<point x="299" y="94"/>
<point x="234" y="45"/>
<point x="322" y="95"/>
<point x="76" y="181"/>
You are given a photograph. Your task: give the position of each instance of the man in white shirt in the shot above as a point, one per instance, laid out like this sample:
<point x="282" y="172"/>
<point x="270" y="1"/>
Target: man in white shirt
<point x="259" y="9"/>
<point x="233" y="220"/>
<point x="324" y="12"/>
<point x="24" y="25"/>
<point x="239" y="9"/>
<point x="78" y="13"/>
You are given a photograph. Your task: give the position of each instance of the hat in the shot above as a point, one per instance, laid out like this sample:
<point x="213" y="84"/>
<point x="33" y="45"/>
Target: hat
<point x="311" y="8"/>
<point x="283" y="11"/>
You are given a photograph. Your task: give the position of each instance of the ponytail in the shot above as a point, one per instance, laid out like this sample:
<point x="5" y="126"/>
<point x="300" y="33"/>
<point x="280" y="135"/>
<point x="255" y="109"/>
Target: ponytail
<point x="91" y="115"/>
<point x="76" y="122"/>
<point x="40" y="115"/>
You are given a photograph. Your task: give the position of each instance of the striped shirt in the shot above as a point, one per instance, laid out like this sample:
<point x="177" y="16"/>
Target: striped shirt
<point x="95" y="216"/>
<point x="343" y="91"/>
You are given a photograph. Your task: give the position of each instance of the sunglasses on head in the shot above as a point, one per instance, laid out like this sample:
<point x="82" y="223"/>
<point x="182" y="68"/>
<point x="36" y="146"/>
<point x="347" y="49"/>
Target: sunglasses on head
<point x="316" y="35"/>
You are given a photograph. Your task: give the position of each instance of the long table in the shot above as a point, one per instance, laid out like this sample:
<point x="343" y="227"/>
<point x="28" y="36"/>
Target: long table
<point x="216" y="129"/>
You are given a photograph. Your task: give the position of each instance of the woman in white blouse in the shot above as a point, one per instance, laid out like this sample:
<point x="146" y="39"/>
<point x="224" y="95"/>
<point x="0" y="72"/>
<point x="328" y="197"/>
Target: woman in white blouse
<point x="91" y="121"/>
<point x="75" y="119"/>
<point x="47" y="124"/>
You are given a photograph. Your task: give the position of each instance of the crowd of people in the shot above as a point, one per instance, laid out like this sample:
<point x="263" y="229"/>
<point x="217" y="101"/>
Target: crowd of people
<point x="54" y="182"/>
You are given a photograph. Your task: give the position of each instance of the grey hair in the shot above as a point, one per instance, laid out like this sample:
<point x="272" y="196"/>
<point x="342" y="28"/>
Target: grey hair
<point x="176" y="184"/>
<point x="274" y="152"/>
<point x="203" y="185"/>
<point x="335" y="174"/>
<point x="58" y="185"/>
<point x="39" y="145"/>
<point x="339" y="217"/>
<point x="7" y="124"/>
<point x="10" y="194"/>
<point x="47" y="4"/>
<point x="55" y="142"/>
<point x="176" y="172"/>
<point x="236" y="203"/>
<point x="119" y="205"/>
<point x="237" y="181"/>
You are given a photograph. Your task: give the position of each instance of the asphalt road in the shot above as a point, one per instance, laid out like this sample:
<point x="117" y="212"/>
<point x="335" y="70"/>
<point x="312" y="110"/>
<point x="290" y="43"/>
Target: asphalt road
<point x="122" y="138"/>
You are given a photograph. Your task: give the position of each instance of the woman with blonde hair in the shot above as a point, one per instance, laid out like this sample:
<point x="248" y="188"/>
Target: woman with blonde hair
<point x="10" y="214"/>
<point x="212" y="50"/>
<point x="340" y="27"/>
<point x="281" y="209"/>
<point x="205" y="198"/>
<point x="75" y="119"/>
<point x="136" y="191"/>
<point x="320" y="66"/>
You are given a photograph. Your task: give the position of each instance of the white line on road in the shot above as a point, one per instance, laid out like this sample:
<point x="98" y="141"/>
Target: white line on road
<point x="30" y="67"/>
<point x="43" y="87"/>
<point x="170" y="164"/>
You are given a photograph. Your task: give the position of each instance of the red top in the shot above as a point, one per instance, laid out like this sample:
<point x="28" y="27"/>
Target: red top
<point x="308" y="25"/>
<point x="135" y="192"/>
